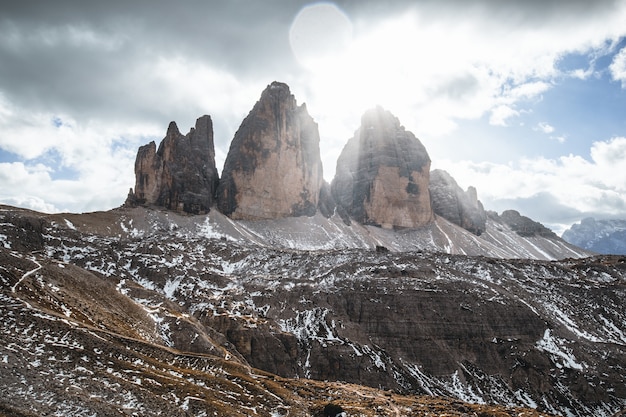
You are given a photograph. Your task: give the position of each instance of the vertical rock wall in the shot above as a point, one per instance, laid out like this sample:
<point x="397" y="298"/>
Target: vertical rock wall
<point x="382" y="175"/>
<point x="452" y="203"/>
<point x="273" y="168"/>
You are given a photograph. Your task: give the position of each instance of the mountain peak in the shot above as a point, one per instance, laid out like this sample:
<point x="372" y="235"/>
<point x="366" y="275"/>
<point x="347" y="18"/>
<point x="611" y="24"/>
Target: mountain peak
<point x="273" y="168"/>
<point x="383" y="174"/>
<point x="172" y="130"/>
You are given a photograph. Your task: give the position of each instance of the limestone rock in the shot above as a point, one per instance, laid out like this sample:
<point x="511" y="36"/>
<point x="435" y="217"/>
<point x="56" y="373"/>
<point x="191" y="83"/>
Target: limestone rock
<point x="181" y="175"/>
<point x="382" y="175"/>
<point x="273" y="168"/>
<point x="452" y="203"/>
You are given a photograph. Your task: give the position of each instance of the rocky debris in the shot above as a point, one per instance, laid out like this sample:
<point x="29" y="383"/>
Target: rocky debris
<point x="273" y="168"/>
<point x="203" y="308"/>
<point x="383" y="174"/>
<point x="600" y="236"/>
<point x="522" y="225"/>
<point x="181" y="175"/>
<point x="452" y="203"/>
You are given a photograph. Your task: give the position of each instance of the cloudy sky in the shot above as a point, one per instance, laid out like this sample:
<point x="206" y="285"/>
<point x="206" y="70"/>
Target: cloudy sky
<point x="526" y="100"/>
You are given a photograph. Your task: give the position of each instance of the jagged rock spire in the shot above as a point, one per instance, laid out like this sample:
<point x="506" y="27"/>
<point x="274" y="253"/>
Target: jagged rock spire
<point x="273" y="168"/>
<point x="180" y="175"/>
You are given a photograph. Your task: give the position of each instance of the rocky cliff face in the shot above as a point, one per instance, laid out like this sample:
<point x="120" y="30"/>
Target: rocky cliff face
<point x="383" y="174"/>
<point x="601" y="236"/>
<point x="273" y="168"/>
<point x="452" y="203"/>
<point x="180" y="175"/>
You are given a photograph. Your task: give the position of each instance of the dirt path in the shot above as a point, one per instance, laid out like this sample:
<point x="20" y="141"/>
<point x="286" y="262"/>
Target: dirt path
<point x="32" y="271"/>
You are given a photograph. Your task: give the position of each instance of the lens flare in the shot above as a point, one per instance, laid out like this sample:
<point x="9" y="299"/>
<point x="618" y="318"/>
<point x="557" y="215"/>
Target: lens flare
<point x="319" y="32"/>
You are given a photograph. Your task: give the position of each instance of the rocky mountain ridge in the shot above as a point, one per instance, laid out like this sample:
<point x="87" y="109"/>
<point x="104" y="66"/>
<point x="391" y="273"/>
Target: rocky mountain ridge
<point x="273" y="171"/>
<point x="141" y="310"/>
<point x="600" y="236"/>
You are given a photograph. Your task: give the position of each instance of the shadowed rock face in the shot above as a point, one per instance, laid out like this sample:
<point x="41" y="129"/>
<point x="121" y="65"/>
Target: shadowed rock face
<point x="523" y="225"/>
<point x="180" y="175"/>
<point x="452" y="203"/>
<point x="273" y="168"/>
<point x="382" y="175"/>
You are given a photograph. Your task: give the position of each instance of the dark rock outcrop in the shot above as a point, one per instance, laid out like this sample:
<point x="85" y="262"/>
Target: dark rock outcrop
<point x="452" y="203"/>
<point x="383" y="174"/>
<point x="326" y="203"/>
<point x="180" y="175"/>
<point x="524" y="226"/>
<point x="273" y="168"/>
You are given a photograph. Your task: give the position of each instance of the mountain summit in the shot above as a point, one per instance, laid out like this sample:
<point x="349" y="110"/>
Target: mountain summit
<point x="383" y="174"/>
<point x="273" y="168"/>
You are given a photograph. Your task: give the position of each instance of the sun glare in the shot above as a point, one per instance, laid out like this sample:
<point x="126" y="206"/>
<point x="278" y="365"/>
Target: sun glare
<point x="397" y="63"/>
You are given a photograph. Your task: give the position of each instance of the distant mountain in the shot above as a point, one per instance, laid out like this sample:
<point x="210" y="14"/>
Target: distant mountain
<point x="600" y="236"/>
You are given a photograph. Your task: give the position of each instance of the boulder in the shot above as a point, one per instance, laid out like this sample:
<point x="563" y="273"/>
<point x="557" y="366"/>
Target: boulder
<point x="273" y="168"/>
<point x="382" y="175"/>
<point x="181" y="175"/>
<point x="455" y="205"/>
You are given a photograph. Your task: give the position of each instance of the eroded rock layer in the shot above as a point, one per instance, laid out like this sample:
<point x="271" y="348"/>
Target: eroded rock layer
<point x="383" y="174"/>
<point x="180" y="175"/>
<point x="273" y="168"/>
<point x="452" y="203"/>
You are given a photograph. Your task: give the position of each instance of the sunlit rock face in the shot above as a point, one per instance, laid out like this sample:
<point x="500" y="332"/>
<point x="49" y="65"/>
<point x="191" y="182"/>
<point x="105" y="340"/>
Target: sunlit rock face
<point x="180" y="175"/>
<point x="273" y="168"/>
<point x="382" y="175"/>
<point x="452" y="203"/>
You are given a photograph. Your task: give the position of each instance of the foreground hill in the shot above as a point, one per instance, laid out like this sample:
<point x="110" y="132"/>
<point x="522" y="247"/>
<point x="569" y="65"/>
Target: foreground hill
<point x="146" y="312"/>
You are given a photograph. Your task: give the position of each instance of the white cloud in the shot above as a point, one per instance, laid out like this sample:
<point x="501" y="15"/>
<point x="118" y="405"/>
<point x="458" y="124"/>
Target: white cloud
<point x="544" y="127"/>
<point x="100" y="159"/>
<point x="584" y="186"/>
<point x="618" y="67"/>
<point x="559" y="139"/>
<point x="501" y="114"/>
<point x="119" y="80"/>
